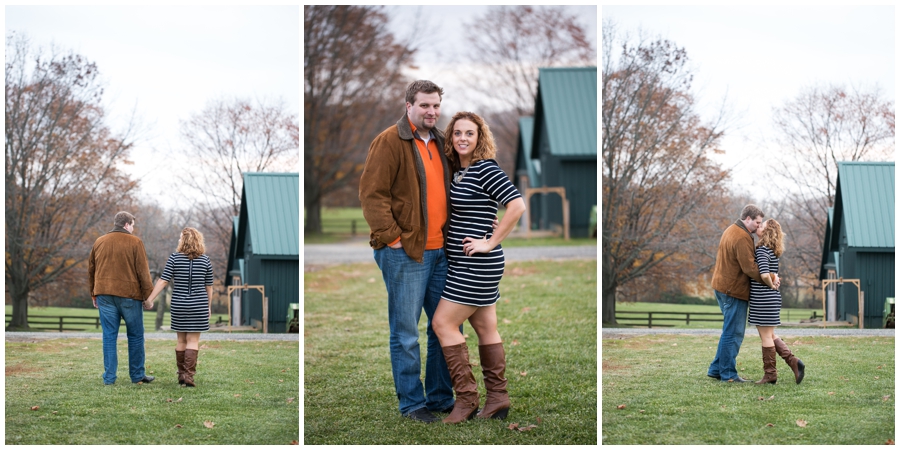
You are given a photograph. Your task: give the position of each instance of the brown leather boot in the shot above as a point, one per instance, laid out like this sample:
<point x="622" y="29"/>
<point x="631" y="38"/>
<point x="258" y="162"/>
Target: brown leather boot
<point x="190" y="367"/>
<point x="457" y="357"/>
<point x="179" y="360"/>
<point x="768" y="356"/>
<point x="493" y="367"/>
<point x="794" y="362"/>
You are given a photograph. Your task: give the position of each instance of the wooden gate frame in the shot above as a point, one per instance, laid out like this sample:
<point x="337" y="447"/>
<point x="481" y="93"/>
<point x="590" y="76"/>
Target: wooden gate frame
<point x="861" y="295"/>
<point x="547" y="190"/>
<point x="265" y="305"/>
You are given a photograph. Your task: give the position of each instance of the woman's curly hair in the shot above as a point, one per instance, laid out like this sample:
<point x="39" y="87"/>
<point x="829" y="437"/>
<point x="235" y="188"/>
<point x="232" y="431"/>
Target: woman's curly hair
<point x="191" y="243"/>
<point x="772" y="237"/>
<point x="484" y="149"/>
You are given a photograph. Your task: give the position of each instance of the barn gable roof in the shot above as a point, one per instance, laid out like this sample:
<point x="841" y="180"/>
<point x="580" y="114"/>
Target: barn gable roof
<point x="864" y="199"/>
<point x="270" y="212"/>
<point x="566" y="104"/>
<point x="524" y="163"/>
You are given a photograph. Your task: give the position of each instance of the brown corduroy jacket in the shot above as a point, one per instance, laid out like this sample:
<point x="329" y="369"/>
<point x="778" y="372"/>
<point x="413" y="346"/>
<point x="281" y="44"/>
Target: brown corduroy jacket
<point x="735" y="263"/>
<point x="118" y="266"/>
<point x="392" y="189"/>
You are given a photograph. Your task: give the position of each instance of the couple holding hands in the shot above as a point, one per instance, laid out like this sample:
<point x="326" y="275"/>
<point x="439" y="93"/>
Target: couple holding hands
<point x="120" y="283"/>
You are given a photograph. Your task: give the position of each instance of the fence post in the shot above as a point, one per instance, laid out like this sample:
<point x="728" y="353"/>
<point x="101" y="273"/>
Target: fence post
<point x="60" y="324"/>
<point x="862" y="309"/>
<point x="649" y="320"/>
<point x="353" y="227"/>
<point x="688" y="318"/>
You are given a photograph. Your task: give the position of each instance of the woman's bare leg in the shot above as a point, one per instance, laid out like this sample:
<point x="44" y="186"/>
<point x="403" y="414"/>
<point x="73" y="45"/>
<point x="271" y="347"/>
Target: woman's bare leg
<point x="446" y="321"/>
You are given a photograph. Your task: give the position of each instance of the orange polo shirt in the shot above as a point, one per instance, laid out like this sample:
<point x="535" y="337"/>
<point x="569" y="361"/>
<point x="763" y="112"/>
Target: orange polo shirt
<point x="436" y="194"/>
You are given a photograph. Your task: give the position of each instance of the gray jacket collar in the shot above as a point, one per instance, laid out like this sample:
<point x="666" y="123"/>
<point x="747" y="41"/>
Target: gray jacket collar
<point x="741" y="224"/>
<point x="118" y="229"/>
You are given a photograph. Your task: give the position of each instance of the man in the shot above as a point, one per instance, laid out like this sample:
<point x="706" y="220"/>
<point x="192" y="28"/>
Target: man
<point x="404" y="191"/>
<point x="119" y="278"/>
<point x="735" y="265"/>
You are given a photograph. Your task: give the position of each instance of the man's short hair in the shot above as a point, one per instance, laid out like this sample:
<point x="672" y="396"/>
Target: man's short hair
<point x="423" y="86"/>
<point x="123" y="218"/>
<point x="751" y="211"/>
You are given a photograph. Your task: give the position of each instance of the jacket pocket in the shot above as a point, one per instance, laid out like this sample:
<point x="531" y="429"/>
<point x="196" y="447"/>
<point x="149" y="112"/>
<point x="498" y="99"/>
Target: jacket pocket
<point x="403" y="212"/>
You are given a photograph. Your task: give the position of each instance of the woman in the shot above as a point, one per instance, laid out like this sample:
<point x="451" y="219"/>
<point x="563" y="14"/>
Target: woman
<point x="765" y="303"/>
<point x="191" y="272"/>
<point x="475" y="265"/>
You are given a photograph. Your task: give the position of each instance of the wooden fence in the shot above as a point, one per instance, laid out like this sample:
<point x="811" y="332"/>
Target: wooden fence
<point x="647" y="317"/>
<point x="352" y="227"/>
<point x="59" y="322"/>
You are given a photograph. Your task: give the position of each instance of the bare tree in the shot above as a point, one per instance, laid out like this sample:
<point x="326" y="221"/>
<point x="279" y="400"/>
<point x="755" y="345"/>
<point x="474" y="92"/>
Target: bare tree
<point x="814" y="131"/>
<point x="62" y="182"/>
<point x="659" y="184"/>
<point x="225" y="140"/>
<point x="353" y="89"/>
<point x="511" y="44"/>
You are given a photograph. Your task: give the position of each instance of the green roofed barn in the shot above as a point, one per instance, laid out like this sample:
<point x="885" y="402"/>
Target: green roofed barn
<point x="265" y="249"/>
<point x="563" y="150"/>
<point x="859" y="240"/>
<point x="527" y="170"/>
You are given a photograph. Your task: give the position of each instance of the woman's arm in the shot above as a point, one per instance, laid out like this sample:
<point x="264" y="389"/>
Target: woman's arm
<point x="209" y="295"/>
<point x="160" y="285"/>
<point x="514" y="210"/>
<point x="769" y="280"/>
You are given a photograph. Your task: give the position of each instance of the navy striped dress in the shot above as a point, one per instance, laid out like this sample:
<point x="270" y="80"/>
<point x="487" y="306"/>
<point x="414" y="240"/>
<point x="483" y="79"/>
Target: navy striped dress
<point x="475" y="280"/>
<point x="765" y="302"/>
<point x="190" y="303"/>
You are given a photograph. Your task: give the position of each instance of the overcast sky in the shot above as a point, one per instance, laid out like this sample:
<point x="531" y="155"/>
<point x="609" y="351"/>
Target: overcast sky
<point x="762" y="56"/>
<point x="167" y="62"/>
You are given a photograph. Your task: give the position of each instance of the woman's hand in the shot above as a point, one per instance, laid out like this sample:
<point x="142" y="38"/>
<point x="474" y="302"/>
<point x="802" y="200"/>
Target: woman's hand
<point x="148" y="305"/>
<point x="472" y="246"/>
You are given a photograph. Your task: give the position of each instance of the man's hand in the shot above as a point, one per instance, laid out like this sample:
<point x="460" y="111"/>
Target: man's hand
<point x="397" y="245"/>
<point x="148" y="305"/>
<point x="777" y="282"/>
<point x="94" y="298"/>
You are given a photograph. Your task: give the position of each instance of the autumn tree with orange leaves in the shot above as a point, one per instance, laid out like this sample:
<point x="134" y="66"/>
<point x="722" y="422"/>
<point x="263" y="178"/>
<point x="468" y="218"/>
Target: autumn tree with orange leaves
<point x="660" y="187"/>
<point x="353" y="89"/>
<point x="63" y="185"/>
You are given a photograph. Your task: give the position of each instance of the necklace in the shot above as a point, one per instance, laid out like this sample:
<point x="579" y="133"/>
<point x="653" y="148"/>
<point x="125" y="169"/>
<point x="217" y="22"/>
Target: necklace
<point x="462" y="174"/>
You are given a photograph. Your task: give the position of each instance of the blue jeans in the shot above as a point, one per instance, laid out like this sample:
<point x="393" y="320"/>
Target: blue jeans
<point x="112" y="309"/>
<point x="734" y="324"/>
<point x="412" y="287"/>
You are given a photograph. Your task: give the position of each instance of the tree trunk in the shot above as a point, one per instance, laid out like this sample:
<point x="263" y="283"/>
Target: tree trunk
<point x="313" y="216"/>
<point x="608" y="314"/>
<point x="161" y="308"/>
<point x="19" y="321"/>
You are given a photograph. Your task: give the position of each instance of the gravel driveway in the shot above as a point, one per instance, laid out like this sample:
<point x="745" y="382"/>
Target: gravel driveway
<point x="620" y="333"/>
<point x="358" y="251"/>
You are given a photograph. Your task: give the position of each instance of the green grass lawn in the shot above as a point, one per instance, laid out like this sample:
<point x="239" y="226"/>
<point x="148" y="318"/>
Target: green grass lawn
<point x="247" y="393"/>
<point x="788" y="315"/>
<point x="655" y="391"/>
<point x="547" y="318"/>
<point x="92" y="313"/>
